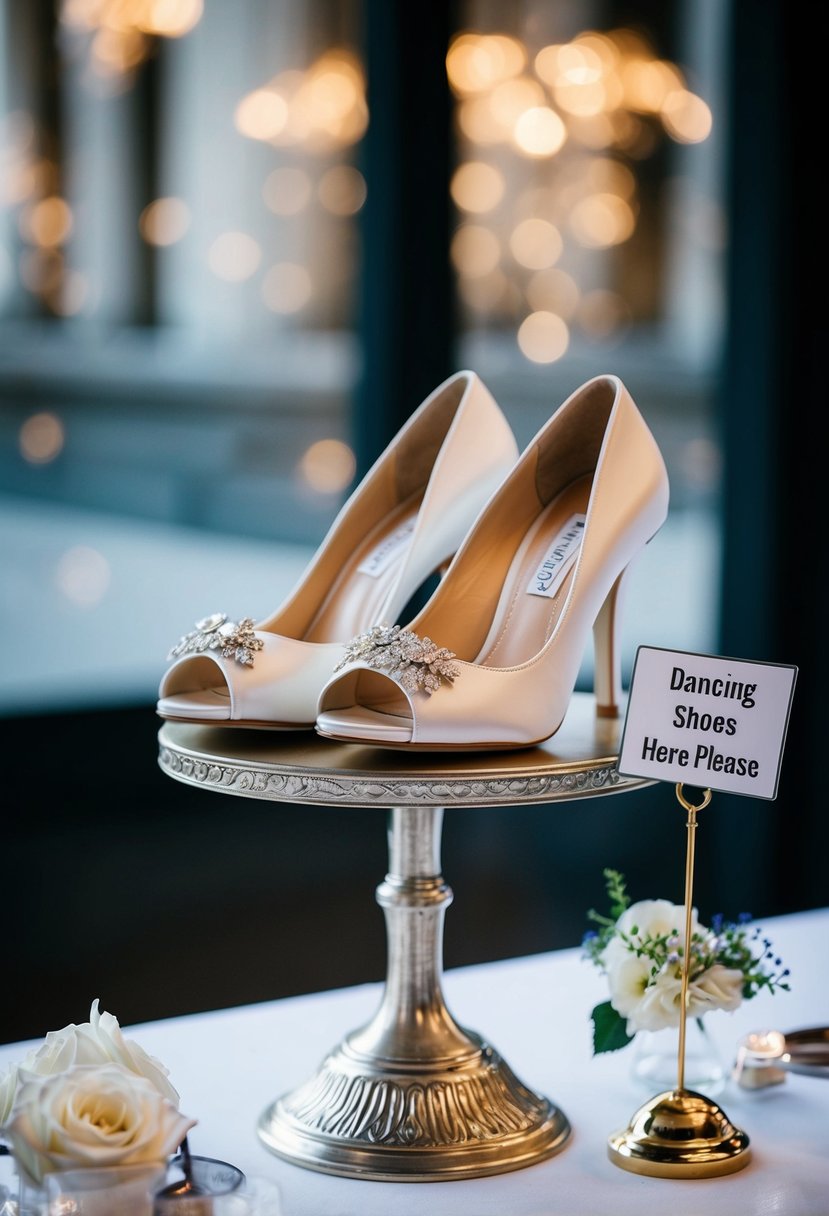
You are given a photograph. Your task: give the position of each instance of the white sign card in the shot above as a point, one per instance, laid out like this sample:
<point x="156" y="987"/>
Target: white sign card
<point x="711" y="722"/>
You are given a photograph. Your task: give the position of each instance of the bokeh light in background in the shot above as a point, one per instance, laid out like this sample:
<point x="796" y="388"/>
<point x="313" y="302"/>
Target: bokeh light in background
<point x="552" y="138"/>
<point x="477" y="186"/>
<point x="291" y="196"/>
<point x="286" y="287"/>
<point x="262" y="114"/>
<point x="475" y="251"/>
<point x="321" y="108"/>
<point x="164" y="221"/>
<point x="83" y="575"/>
<point x="543" y="337"/>
<point x="287" y="191"/>
<point x="234" y="256"/>
<point x="686" y="117"/>
<point x="328" y="466"/>
<point x="120" y="31"/>
<point x="535" y="243"/>
<point x="147" y="199"/>
<point x="41" y="438"/>
<point x="552" y="141"/>
<point x="539" y="131"/>
<point x="46" y="222"/>
<point x="342" y="190"/>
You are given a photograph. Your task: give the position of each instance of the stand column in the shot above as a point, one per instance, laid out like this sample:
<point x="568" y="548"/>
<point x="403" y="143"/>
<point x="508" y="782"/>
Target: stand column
<point x="412" y="1096"/>
<point x="413" y="1021"/>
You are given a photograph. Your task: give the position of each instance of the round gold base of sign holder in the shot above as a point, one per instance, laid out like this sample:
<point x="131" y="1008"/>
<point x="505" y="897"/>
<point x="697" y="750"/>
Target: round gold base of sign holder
<point x="680" y="1134"/>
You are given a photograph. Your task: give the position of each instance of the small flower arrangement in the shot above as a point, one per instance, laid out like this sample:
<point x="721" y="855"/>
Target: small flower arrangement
<point x="89" y="1098"/>
<point x="640" y="948"/>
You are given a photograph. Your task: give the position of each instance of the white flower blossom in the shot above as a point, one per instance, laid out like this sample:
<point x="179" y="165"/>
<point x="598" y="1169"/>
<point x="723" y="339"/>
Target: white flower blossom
<point x="660" y="1002"/>
<point x="717" y="987"/>
<point x="92" y="1115"/>
<point x="8" y="1088"/>
<point x="642" y="950"/>
<point x="628" y="983"/>
<point x="655" y="918"/>
<point x="651" y="918"/>
<point x="98" y="1041"/>
<point x="721" y="986"/>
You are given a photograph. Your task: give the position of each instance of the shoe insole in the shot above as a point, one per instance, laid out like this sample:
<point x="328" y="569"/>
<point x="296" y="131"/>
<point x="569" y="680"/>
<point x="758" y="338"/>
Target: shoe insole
<point x="538" y="581"/>
<point x="207" y="703"/>
<point x="358" y="594"/>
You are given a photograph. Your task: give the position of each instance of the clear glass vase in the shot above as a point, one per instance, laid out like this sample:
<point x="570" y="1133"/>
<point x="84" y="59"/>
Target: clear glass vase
<point x="127" y="1190"/>
<point x="140" y="1190"/>
<point x="654" y="1062"/>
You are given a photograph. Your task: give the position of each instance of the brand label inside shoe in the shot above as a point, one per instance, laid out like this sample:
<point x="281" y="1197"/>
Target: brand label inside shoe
<point x="388" y="550"/>
<point x="558" y="559"/>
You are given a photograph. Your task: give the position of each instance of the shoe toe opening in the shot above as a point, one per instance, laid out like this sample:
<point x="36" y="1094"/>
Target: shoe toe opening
<point x="365" y="705"/>
<point x="196" y="688"/>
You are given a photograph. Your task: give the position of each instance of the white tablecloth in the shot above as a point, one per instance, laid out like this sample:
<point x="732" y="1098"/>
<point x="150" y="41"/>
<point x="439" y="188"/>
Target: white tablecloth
<point x="228" y="1065"/>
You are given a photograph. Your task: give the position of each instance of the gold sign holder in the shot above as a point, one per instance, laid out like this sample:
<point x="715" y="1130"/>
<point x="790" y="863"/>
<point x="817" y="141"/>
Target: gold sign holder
<point x="680" y="1133"/>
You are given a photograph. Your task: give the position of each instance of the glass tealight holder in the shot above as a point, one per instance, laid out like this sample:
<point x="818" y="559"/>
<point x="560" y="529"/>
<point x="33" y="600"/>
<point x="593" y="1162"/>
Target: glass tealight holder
<point x="127" y="1190"/>
<point x="197" y="1186"/>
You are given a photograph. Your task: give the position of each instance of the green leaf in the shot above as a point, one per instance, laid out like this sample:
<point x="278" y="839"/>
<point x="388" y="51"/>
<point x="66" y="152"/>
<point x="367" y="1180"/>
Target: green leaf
<point x="617" y="893"/>
<point x="609" y="1033"/>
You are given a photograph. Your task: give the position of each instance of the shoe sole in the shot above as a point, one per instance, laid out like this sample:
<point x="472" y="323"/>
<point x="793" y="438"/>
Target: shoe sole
<point x="224" y="723"/>
<point x="438" y="747"/>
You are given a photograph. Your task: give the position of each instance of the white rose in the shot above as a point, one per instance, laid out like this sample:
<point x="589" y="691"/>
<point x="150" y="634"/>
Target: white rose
<point x="660" y="1003"/>
<point x="93" y="1115"/>
<point x="717" y="988"/>
<point x="656" y="918"/>
<point x="650" y="918"/>
<point x="628" y="982"/>
<point x="615" y="954"/>
<point x="98" y="1041"/>
<point x="8" y="1088"/>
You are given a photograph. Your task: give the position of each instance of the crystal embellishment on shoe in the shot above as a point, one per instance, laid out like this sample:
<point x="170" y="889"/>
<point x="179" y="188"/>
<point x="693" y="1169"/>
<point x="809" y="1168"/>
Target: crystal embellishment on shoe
<point x="216" y="632"/>
<point x="417" y="663"/>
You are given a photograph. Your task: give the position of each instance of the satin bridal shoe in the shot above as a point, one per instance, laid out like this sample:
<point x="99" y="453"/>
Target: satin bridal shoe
<point x="492" y="659"/>
<point x="404" y="522"/>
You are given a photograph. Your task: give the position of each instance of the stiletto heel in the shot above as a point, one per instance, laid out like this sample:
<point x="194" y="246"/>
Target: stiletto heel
<point x="491" y="661"/>
<point x="607" y="658"/>
<point x="403" y="522"/>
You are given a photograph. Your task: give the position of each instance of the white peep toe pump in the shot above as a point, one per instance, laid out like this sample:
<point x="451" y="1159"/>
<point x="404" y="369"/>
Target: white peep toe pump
<point x="492" y="659"/>
<point x="403" y="522"/>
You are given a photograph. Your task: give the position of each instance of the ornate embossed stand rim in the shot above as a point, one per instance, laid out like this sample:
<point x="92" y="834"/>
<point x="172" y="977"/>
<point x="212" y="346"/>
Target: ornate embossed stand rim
<point x="412" y="1096"/>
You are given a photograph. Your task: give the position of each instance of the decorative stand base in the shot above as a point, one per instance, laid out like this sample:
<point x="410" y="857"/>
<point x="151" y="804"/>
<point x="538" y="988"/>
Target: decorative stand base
<point x="680" y="1134"/>
<point x="357" y="1119"/>
<point x="412" y="1096"/>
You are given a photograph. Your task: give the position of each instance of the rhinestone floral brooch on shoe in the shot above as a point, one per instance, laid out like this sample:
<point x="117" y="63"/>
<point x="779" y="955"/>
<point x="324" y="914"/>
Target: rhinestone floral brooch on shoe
<point x="216" y="632"/>
<point x="416" y="663"/>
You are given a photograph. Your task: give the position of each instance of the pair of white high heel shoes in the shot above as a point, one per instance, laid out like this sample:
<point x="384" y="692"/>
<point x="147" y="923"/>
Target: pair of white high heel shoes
<point x="538" y="545"/>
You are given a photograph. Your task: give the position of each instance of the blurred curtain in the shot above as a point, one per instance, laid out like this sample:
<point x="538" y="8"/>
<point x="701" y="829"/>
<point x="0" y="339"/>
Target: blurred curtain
<point x="775" y="557"/>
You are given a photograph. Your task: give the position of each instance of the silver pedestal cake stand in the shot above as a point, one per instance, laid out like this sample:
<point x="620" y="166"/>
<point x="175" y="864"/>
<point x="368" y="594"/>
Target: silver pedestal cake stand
<point x="412" y="1096"/>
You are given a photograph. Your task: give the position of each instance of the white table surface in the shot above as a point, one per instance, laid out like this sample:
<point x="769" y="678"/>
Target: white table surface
<point x="228" y="1065"/>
